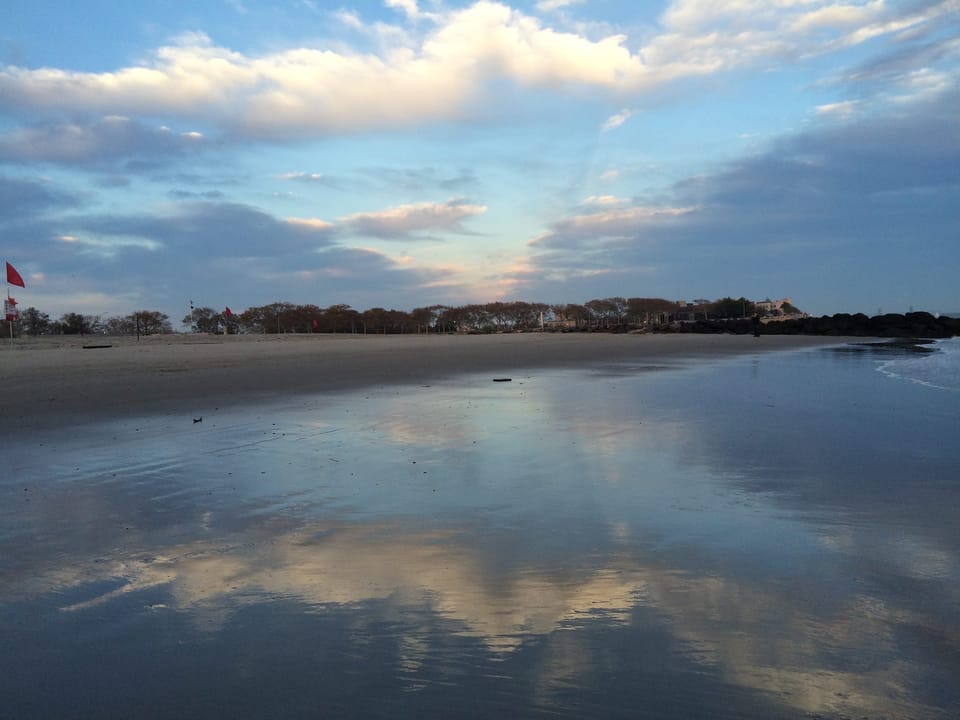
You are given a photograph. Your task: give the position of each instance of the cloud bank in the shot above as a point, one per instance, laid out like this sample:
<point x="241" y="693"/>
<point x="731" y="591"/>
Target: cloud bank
<point x="441" y="72"/>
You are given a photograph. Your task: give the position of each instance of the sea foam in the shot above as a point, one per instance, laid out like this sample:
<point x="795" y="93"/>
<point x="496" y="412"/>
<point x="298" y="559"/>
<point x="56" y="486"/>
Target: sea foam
<point x="939" y="369"/>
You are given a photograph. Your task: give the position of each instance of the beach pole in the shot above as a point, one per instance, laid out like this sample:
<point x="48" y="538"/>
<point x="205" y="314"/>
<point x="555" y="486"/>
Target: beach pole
<point x="10" y="316"/>
<point x="10" y="306"/>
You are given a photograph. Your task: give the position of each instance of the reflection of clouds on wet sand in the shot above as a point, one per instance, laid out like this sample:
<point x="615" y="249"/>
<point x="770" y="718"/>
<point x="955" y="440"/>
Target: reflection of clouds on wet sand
<point x="765" y="638"/>
<point x="348" y="565"/>
<point x="773" y="642"/>
<point x="909" y="555"/>
<point x="547" y="513"/>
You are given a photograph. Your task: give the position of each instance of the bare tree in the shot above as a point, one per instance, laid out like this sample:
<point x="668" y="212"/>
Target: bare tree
<point x="76" y="324"/>
<point x="152" y="322"/>
<point x="34" y="322"/>
<point x="203" y="320"/>
<point x="119" y="325"/>
<point x="646" y="311"/>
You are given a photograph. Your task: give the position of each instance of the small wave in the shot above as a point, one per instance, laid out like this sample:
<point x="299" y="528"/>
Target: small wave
<point x="939" y="369"/>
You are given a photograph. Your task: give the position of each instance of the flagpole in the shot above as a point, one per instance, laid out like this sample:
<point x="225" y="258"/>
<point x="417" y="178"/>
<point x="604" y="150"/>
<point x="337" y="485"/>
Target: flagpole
<point x="10" y="306"/>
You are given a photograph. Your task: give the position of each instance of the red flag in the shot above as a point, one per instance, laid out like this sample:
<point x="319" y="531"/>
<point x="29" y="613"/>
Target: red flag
<point x="229" y="313"/>
<point x="13" y="277"/>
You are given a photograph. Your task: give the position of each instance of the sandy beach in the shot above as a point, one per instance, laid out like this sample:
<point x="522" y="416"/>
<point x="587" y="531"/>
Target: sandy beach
<point x="53" y="381"/>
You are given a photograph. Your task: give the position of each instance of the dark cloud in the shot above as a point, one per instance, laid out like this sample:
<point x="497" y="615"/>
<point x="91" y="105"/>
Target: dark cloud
<point x="191" y="195"/>
<point x="849" y="180"/>
<point x="336" y="266"/>
<point x="864" y="201"/>
<point x="210" y="229"/>
<point x="361" y="277"/>
<point x="928" y="45"/>
<point x="354" y="262"/>
<point x="354" y="276"/>
<point x="423" y="179"/>
<point x="101" y="143"/>
<point x="187" y="178"/>
<point x="22" y="197"/>
<point x="212" y="253"/>
<point x="877" y="177"/>
<point x="113" y="181"/>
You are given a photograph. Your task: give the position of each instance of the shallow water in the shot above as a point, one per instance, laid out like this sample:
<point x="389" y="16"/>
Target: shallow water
<point x="774" y="536"/>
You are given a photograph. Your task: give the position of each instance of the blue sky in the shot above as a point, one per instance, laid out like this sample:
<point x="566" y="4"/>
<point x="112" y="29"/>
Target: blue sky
<point x="402" y="153"/>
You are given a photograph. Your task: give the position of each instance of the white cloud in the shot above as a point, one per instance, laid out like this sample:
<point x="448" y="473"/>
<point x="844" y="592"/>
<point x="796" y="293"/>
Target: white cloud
<point x="403" y="220"/>
<point x="316" y="90"/>
<point x="409" y="7"/>
<point x="350" y="19"/>
<point x="696" y="16"/>
<point x="845" y="108"/>
<point x="839" y="16"/>
<point x="604" y="200"/>
<point x="311" y="224"/>
<point x="303" y="177"/>
<point x="443" y="70"/>
<point x="922" y="85"/>
<point x="605" y="224"/>
<point x="493" y="37"/>
<point x="551" y="5"/>
<point x="108" y="246"/>
<point x="615" y="121"/>
<point x="703" y="36"/>
<point x="238" y="7"/>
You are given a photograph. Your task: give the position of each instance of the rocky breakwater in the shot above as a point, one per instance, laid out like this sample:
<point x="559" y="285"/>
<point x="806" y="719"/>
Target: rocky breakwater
<point x="889" y="325"/>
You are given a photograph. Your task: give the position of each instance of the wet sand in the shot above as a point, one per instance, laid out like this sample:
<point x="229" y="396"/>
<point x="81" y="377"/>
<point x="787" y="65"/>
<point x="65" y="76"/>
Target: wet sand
<point x="746" y="534"/>
<point x="52" y="381"/>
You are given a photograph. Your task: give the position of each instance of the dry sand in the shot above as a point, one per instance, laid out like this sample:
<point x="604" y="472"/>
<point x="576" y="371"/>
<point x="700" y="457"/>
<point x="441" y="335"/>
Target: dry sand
<point x="50" y="382"/>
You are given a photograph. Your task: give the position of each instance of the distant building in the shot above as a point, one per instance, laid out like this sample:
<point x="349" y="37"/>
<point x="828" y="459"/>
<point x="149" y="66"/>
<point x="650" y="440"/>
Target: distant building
<point x="772" y="310"/>
<point x="772" y="307"/>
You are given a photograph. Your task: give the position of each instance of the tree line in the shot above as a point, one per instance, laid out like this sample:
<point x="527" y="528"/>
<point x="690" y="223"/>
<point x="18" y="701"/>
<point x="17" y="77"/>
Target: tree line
<point x="145" y="322"/>
<point x="516" y="316"/>
<point x="604" y="314"/>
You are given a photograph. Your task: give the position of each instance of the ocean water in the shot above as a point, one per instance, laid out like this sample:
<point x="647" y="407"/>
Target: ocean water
<point x="941" y="369"/>
<point x="775" y="536"/>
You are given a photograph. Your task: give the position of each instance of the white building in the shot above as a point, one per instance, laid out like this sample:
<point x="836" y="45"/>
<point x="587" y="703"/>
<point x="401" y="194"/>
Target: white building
<point x="772" y="307"/>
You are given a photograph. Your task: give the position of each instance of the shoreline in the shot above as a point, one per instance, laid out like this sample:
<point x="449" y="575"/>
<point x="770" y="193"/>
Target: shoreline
<point x="51" y="382"/>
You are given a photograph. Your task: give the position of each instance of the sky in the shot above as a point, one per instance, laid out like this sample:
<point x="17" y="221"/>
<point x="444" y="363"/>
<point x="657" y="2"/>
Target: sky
<point x="403" y="153"/>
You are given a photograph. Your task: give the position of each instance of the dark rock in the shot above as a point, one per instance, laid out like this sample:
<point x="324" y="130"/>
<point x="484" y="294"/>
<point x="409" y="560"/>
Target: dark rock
<point x="889" y="325"/>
